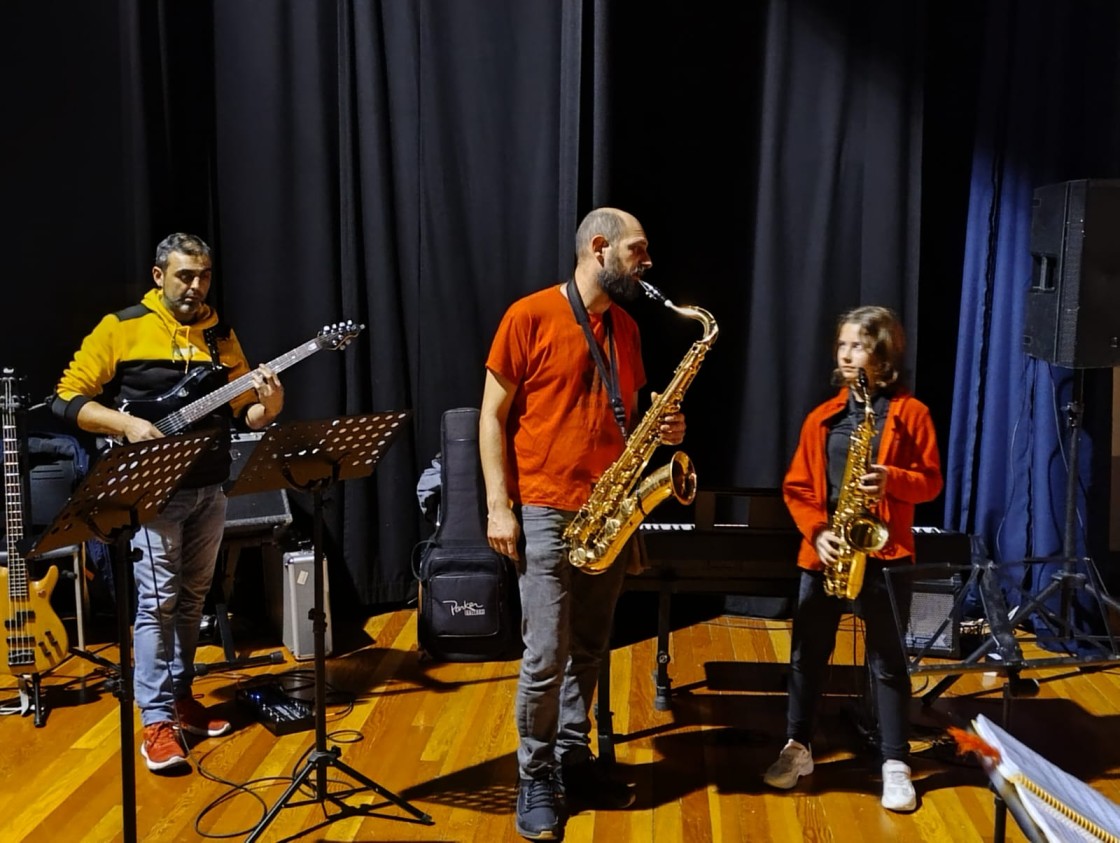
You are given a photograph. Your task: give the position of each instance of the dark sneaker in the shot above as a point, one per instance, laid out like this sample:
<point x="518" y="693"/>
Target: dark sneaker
<point x="589" y="784"/>
<point x="537" y="818"/>
<point x="161" y="747"/>
<point x="195" y="718"/>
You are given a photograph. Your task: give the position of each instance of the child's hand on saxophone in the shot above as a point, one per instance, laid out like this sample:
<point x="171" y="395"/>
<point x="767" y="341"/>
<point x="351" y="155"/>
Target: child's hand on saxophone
<point x="874" y="483"/>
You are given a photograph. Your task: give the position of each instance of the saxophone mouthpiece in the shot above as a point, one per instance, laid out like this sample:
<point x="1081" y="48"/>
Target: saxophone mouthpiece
<point x="654" y="293"/>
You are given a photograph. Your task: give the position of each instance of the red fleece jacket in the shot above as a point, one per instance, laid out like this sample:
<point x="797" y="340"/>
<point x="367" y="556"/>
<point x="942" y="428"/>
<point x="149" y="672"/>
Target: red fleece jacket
<point x="907" y="447"/>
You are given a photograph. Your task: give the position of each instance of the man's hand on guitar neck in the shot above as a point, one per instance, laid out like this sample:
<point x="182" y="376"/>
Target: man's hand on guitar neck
<point x="270" y="398"/>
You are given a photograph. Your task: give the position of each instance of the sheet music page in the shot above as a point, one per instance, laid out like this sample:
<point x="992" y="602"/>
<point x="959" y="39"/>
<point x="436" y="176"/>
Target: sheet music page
<point x="1052" y="786"/>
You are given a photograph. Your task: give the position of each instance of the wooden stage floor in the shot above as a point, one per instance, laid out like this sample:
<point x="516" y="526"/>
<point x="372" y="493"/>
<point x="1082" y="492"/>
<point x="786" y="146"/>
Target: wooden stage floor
<point x="441" y="737"/>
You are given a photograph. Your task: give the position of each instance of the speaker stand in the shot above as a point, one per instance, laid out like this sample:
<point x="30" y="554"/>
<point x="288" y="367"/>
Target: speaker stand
<point x="1081" y="649"/>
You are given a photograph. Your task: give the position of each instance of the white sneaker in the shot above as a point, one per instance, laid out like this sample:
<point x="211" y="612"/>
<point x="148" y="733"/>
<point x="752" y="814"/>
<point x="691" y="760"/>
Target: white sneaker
<point x="898" y="791"/>
<point x="794" y="761"/>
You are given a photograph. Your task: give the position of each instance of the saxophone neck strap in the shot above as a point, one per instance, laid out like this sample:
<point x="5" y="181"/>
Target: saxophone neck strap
<point x="608" y="374"/>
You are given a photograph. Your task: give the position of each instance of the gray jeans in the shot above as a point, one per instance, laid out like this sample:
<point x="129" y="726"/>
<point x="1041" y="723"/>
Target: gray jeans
<point x="178" y="551"/>
<point x="566" y="625"/>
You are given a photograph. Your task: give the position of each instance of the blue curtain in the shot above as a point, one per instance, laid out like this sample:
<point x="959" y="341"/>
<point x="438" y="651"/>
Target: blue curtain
<point x="1041" y="118"/>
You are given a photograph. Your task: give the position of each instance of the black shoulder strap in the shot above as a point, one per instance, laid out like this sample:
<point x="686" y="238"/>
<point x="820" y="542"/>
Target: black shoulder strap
<point x="609" y="374"/>
<point x="212" y="335"/>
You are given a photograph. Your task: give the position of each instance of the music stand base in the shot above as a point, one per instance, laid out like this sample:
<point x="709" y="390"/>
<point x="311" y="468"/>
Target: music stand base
<point x="231" y="661"/>
<point x="225" y="632"/>
<point x="202" y="668"/>
<point x="318" y="762"/>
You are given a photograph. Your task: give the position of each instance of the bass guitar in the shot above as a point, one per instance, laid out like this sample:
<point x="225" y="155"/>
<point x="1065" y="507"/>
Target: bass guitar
<point x="34" y="638"/>
<point x="332" y="337"/>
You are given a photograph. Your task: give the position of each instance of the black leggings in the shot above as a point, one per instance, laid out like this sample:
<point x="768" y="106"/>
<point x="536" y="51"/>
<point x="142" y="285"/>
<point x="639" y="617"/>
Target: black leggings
<point x="814" y="636"/>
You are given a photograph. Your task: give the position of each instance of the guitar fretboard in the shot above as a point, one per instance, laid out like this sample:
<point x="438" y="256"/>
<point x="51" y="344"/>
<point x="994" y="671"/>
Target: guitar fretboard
<point x="13" y="498"/>
<point x="182" y="418"/>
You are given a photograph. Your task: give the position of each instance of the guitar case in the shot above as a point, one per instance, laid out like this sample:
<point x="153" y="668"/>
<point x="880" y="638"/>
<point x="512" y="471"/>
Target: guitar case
<point x="469" y="609"/>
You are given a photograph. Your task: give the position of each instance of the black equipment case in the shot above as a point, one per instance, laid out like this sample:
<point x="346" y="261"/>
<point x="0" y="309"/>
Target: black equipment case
<point x="469" y="609"/>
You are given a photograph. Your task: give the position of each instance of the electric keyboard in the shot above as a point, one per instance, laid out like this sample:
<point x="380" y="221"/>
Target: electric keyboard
<point x="740" y="541"/>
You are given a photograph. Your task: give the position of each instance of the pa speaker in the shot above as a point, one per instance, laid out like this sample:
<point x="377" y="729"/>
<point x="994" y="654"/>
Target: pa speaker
<point x="1073" y="306"/>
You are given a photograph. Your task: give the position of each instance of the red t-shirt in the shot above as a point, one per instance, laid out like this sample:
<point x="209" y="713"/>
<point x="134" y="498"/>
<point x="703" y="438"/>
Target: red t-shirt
<point x="561" y="433"/>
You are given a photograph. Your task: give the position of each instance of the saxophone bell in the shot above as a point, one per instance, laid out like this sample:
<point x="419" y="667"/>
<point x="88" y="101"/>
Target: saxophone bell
<point x="866" y="533"/>
<point x="676" y="479"/>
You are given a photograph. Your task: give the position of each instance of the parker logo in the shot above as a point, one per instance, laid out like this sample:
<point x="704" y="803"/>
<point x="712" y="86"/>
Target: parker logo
<point x="469" y="609"/>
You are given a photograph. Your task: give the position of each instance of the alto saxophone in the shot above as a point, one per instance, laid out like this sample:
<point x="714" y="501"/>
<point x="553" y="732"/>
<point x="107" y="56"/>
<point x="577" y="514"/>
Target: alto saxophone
<point x="859" y="531"/>
<point x="600" y="529"/>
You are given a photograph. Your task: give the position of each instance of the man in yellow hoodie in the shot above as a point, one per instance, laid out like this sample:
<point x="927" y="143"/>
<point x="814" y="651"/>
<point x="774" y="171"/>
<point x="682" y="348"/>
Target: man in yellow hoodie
<point x="159" y="356"/>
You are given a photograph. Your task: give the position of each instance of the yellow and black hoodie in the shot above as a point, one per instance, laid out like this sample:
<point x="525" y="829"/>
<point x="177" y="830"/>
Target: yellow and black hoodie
<point x="140" y="354"/>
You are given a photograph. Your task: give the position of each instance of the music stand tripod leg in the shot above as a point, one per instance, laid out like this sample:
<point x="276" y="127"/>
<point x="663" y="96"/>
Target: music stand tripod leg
<point x="122" y="560"/>
<point x="322" y="757"/>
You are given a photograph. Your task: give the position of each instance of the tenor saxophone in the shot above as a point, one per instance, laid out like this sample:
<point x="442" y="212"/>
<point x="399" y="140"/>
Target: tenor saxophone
<point x="859" y="531"/>
<point x="599" y="531"/>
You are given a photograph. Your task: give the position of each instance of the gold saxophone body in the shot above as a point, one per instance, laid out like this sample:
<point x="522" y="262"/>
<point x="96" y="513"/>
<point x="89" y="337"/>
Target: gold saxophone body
<point x="602" y="526"/>
<point x="859" y="531"/>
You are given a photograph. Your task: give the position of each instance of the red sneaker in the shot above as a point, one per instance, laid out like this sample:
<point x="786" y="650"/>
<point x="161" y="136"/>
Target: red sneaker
<point x="195" y="718"/>
<point x="161" y="747"/>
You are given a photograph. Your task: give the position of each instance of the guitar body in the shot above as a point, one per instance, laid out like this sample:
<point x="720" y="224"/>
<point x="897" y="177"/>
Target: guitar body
<point x="154" y="409"/>
<point x="34" y="639"/>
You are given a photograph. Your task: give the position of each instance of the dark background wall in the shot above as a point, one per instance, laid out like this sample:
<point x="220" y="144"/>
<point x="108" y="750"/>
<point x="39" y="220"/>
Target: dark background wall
<point x="417" y="165"/>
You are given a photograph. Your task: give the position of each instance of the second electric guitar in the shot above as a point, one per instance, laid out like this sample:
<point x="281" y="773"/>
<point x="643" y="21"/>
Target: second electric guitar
<point x="34" y="638"/>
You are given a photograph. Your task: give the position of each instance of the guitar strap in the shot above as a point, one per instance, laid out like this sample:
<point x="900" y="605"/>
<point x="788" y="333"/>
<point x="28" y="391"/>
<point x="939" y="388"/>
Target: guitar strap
<point x="211" y="336"/>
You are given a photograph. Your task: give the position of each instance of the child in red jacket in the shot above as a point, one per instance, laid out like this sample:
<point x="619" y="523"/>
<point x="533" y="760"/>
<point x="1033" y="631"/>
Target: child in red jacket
<point x="905" y="470"/>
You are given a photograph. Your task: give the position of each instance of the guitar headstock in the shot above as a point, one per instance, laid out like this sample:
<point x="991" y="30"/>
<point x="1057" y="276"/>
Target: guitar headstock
<point x="339" y="335"/>
<point x="12" y="396"/>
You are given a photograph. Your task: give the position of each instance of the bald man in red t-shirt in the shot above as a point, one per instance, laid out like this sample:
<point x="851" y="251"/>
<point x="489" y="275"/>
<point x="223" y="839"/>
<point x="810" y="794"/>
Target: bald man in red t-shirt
<point x="550" y="424"/>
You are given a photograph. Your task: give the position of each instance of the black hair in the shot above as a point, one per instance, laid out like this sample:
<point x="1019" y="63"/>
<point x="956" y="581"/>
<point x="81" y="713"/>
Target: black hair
<point x="184" y="244"/>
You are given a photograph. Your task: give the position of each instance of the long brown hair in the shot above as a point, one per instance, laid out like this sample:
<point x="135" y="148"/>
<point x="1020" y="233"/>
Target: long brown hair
<point x="886" y="342"/>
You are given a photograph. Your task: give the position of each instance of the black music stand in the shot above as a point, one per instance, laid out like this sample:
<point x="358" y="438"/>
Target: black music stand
<point x="309" y="457"/>
<point x="127" y="487"/>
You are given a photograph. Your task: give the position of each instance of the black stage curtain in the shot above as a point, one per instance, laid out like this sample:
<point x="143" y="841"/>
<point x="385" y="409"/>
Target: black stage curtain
<point x="416" y="166"/>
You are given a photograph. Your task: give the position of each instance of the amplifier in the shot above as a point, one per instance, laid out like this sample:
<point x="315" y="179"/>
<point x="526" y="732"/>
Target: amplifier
<point x="259" y="511"/>
<point x="933" y="604"/>
<point x="936" y="598"/>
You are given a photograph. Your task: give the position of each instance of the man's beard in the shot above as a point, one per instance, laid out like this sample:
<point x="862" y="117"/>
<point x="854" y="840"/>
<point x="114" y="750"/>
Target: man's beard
<point x="184" y="310"/>
<point x="618" y="286"/>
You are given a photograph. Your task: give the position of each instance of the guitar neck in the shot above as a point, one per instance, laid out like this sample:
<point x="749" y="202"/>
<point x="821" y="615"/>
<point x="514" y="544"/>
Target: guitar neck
<point x="13" y="502"/>
<point x="188" y="415"/>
